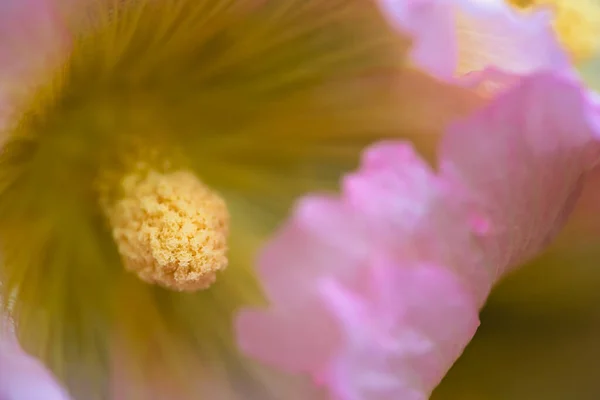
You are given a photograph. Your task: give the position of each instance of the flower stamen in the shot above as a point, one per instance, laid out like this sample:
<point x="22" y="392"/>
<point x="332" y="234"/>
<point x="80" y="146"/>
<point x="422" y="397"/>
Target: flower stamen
<point x="170" y="229"/>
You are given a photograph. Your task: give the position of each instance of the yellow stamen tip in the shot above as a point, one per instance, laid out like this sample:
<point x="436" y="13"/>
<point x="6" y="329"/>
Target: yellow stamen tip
<point x="171" y="229"/>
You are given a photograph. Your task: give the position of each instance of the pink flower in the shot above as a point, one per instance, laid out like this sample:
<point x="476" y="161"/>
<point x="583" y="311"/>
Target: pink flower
<point x="524" y="161"/>
<point x="453" y="38"/>
<point x="375" y="294"/>
<point x="391" y="328"/>
<point x="307" y="80"/>
<point x="431" y="245"/>
<point x="359" y="285"/>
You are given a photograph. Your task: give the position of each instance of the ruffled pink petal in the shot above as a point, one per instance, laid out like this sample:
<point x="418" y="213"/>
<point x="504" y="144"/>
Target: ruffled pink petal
<point x="453" y="38"/>
<point x="402" y="331"/>
<point x="21" y="376"/>
<point x="375" y="294"/>
<point x="321" y="239"/>
<point x="522" y="160"/>
<point x="331" y="243"/>
<point x="392" y="190"/>
<point x="406" y="209"/>
<point x="327" y="236"/>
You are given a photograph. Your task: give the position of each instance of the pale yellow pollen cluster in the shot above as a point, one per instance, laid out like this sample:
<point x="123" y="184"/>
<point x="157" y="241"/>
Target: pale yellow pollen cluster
<point x="171" y="229"/>
<point x="577" y="24"/>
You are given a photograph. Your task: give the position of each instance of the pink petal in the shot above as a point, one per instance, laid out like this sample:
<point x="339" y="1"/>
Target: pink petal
<point x="409" y="212"/>
<point x="522" y="160"/>
<point x="392" y="189"/>
<point x="393" y="208"/>
<point x="323" y="237"/>
<point x="401" y="334"/>
<point x="297" y="341"/>
<point x="456" y="37"/>
<point x="34" y="37"/>
<point x="21" y="376"/>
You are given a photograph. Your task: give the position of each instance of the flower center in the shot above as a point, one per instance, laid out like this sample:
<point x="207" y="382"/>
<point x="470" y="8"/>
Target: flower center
<point x="577" y="23"/>
<point x="170" y="229"/>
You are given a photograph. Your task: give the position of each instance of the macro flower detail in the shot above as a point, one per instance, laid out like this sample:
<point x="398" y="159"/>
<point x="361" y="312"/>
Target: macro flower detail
<point x="325" y="270"/>
<point x="151" y="148"/>
<point x="524" y="160"/>
<point x="392" y="328"/>
<point x="171" y="230"/>
<point x="454" y="38"/>
<point x="148" y="148"/>
<point x="509" y="175"/>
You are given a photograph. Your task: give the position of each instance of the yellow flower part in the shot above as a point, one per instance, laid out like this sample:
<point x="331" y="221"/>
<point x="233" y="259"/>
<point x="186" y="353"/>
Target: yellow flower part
<point x="577" y="23"/>
<point x="137" y="181"/>
<point x="171" y="230"/>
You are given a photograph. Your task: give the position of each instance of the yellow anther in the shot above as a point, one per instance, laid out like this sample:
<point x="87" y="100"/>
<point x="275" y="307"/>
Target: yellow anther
<point x="171" y="229"/>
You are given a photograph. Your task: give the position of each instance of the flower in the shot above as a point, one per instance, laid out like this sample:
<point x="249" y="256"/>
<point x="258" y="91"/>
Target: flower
<point x="460" y="37"/>
<point x="384" y="282"/>
<point x="509" y="218"/>
<point x="343" y="254"/>
<point x="148" y="149"/>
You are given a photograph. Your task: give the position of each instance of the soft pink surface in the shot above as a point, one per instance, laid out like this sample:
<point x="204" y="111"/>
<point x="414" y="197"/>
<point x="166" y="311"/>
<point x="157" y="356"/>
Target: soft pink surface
<point x="453" y="38"/>
<point x="523" y="159"/>
<point x="375" y="293"/>
<point x="368" y="259"/>
<point x="21" y="376"/>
